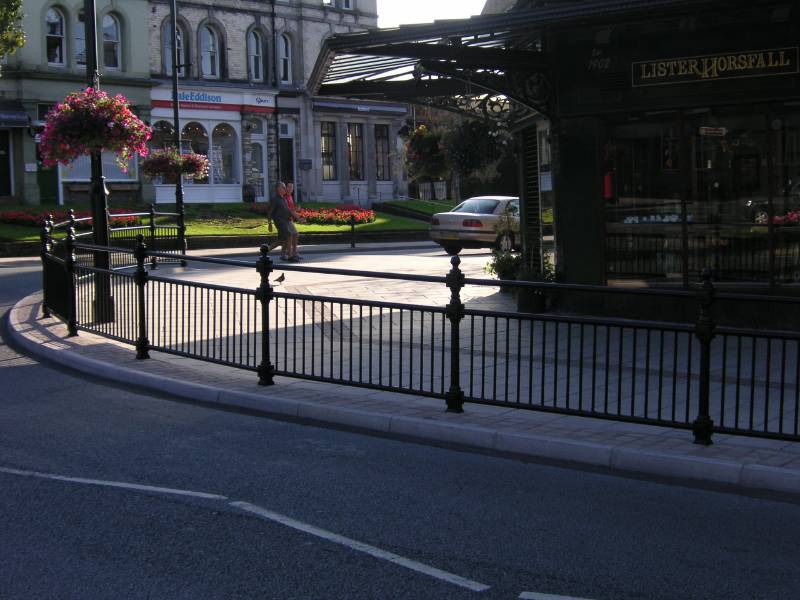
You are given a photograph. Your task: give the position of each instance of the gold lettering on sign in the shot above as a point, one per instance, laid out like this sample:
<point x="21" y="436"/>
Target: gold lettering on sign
<point x="778" y="61"/>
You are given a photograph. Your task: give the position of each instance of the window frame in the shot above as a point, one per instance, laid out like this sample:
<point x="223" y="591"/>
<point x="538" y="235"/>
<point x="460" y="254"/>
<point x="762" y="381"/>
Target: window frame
<point x="62" y="36"/>
<point x="255" y="41"/>
<point x="327" y="147"/>
<point x="383" y="164"/>
<point x="215" y="59"/>
<point x="116" y="44"/>
<point x="166" y="49"/>
<point x="285" y="57"/>
<point x="355" y="151"/>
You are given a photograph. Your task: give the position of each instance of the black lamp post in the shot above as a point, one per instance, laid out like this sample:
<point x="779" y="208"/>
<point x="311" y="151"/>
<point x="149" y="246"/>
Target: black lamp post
<point x="176" y="64"/>
<point x="103" y="301"/>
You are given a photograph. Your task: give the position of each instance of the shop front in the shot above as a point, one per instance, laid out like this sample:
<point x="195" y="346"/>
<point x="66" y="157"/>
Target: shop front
<point x="227" y="126"/>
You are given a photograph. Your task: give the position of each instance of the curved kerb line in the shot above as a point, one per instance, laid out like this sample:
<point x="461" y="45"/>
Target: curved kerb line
<point x="274" y="517"/>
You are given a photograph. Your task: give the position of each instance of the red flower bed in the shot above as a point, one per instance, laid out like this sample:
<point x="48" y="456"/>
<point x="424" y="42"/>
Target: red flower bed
<point x="18" y="217"/>
<point x="790" y="218"/>
<point x="337" y="215"/>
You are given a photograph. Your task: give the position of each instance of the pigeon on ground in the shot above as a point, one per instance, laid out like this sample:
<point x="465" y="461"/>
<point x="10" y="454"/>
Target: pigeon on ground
<point x="280" y="278"/>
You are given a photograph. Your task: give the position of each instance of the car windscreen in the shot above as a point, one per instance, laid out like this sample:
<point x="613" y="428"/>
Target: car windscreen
<point x="477" y="206"/>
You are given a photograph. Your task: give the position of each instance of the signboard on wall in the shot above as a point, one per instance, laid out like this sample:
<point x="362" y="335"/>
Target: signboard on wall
<point x="712" y="67"/>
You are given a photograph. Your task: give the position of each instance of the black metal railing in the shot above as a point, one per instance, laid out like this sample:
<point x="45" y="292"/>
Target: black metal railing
<point x="697" y="376"/>
<point x="160" y="230"/>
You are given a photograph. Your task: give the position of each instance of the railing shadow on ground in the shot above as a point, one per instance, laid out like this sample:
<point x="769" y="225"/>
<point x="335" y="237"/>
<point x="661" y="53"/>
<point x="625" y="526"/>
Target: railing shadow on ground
<point x="697" y="376"/>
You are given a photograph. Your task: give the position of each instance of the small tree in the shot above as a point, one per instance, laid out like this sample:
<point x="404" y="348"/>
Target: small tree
<point x="11" y="34"/>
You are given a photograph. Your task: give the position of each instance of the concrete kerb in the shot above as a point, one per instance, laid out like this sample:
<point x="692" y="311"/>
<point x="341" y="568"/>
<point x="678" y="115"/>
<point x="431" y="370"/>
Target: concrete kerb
<point x="268" y="401"/>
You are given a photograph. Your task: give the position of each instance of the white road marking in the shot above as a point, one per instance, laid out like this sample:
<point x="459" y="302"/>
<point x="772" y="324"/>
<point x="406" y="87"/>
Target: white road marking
<point x="113" y="484"/>
<point x="362" y="547"/>
<point x="538" y="596"/>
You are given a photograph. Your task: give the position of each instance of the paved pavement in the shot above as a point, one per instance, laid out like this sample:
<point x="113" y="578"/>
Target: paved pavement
<point x="733" y="461"/>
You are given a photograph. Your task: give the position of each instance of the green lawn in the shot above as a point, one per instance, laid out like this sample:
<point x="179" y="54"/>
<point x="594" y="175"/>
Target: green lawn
<point x="229" y="219"/>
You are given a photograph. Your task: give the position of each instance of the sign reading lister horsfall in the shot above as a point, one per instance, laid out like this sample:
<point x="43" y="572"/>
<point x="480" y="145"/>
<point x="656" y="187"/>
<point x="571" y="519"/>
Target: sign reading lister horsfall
<point x="711" y="67"/>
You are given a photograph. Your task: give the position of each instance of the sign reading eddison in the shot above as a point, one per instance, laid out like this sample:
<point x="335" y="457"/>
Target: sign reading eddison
<point x="710" y="67"/>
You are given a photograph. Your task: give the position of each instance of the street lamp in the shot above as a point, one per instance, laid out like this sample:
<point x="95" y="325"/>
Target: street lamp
<point x="103" y="301"/>
<point x="176" y="64"/>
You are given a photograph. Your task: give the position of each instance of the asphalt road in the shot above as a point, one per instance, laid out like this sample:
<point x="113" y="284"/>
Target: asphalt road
<point x="258" y="508"/>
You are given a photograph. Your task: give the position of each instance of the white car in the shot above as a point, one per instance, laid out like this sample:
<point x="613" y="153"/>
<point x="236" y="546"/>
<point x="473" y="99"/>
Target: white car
<point x="473" y="224"/>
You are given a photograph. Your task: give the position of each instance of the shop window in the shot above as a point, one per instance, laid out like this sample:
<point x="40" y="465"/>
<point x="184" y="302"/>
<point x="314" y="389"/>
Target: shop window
<point x="382" y="168"/>
<point x="195" y="138"/>
<point x="224" y="164"/>
<point x="209" y="53"/>
<point x="80" y="39"/>
<point x="328" y="149"/>
<point x="167" y="53"/>
<point x="163" y="135"/>
<point x="254" y="126"/>
<point x="285" y="45"/>
<point x="355" y="150"/>
<point x="54" y="27"/>
<point x="112" y="56"/>
<point x="255" y="51"/>
<point x="257" y="178"/>
<point x="81" y="169"/>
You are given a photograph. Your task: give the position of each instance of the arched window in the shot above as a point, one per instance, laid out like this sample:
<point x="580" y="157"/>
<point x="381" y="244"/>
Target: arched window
<point x="285" y="45"/>
<point x="112" y="36"/>
<point x="195" y="137"/>
<point x="209" y="53"/>
<point x="224" y="163"/>
<point x="163" y="136"/>
<point x="255" y="52"/>
<point x="54" y="31"/>
<point x="166" y="45"/>
<point x="79" y="35"/>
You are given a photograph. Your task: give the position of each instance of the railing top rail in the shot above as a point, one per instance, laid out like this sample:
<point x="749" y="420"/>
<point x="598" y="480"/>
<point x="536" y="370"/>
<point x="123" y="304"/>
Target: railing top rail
<point x="120" y="215"/>
<point x="531" y="285"/>
<point x="68" y="222"/>
<point x="165" y="214"/>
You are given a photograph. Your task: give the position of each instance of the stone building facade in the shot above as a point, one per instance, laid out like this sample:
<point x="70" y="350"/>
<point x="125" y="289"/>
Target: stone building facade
<point x="244" y="102"/>
<point x="49" y="66"/>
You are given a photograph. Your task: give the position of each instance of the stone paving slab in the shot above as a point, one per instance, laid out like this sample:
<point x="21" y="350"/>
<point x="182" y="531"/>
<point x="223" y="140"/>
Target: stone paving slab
<point x="734" y="461"/>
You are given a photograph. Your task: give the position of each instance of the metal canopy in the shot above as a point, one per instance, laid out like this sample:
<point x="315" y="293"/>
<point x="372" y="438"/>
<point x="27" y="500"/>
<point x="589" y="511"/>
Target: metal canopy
<point x="491" y="66"/>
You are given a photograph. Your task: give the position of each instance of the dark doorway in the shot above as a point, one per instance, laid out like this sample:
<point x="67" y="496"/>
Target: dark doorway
<point x="287" y="159"/>
<point x="5" y="164"/>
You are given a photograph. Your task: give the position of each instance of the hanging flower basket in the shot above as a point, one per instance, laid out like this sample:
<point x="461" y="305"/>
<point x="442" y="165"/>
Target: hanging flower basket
<point x="169" y="164"/>
<point x="90" y="121"/>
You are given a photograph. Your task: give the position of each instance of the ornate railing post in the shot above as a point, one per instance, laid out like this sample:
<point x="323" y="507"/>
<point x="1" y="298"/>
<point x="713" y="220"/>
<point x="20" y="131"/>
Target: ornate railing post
<point x="142" y="343"/>
<point x="352" y="231"/>
<point x="69" y="262"/>
<point x="47" y="248"/>
<point x="266" y="371"/>
<point x="455" y="313"/>
<point x="703" y="425"/>
<point x="153" y="261"/>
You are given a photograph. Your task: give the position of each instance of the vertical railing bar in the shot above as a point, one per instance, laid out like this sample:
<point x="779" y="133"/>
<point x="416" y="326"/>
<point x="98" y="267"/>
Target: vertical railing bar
<point x="607" y="368"/>
<point x="508" y="358"/>
<point x="647" y="376"/>
<point x="675" y="344"/>
<point x="531" y="330"/>
<point x="767" y="382"/>
<point x="723" y="380"/>
<point x="391" y="341"/>
<point x="752" y="381"/>
<point x="519" y="360"/>
<point x="494" y="361"/>
<point x="400" y="353"/>
<point x="661" y="373"/>
<point x="443" y="355"/>
<point x="483" y="360"/>
<point x="581" y="341"/>
<point x="341" y="339"/>
<point x="782" y="386"/>
<point x="689" y="365"/>
<point x="556" y="350"/>
<point x="380" y="343"/>
<point x="620" y="357"/>
<point x="634" y="369"/>
<point x="543" y="362"/>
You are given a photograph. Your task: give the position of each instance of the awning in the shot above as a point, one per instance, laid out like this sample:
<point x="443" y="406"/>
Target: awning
<point x="12" y="114"/>
<point x="490" y="65"/>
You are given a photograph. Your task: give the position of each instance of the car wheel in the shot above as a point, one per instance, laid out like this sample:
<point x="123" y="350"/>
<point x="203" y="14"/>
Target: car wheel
<point x="452" y="248"/>
<point x="505" y="242"/>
